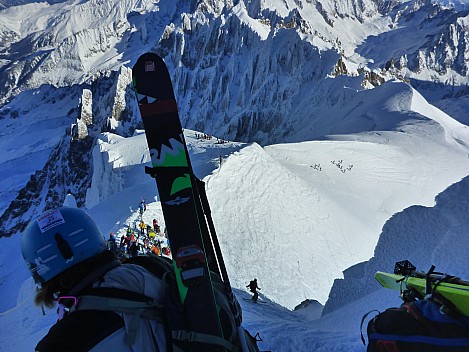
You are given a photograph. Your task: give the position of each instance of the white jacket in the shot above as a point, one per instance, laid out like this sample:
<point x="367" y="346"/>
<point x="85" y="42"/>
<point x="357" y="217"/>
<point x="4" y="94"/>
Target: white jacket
<point x="150" y="335"/>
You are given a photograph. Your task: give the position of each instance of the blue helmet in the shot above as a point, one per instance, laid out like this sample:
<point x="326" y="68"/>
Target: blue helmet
<point x="59" y="239"/>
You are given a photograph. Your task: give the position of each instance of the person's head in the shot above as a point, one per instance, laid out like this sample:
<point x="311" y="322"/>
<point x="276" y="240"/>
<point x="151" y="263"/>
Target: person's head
<point x="57" y="241"/>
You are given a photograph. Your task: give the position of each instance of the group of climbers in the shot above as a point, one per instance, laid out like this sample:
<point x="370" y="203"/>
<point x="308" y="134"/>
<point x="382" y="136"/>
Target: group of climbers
<point x="140" y="239"/>
<point x="134" y="242"/>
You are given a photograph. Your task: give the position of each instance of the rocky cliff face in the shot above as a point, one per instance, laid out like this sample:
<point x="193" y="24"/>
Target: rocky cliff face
<point x="68" y="167"/>
<point x="59" y="44"/>
<point x="444" y="48"/>
<point x="100" y="107"/>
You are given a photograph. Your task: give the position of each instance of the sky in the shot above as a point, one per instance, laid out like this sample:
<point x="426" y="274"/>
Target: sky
<point x="294" y="216"/>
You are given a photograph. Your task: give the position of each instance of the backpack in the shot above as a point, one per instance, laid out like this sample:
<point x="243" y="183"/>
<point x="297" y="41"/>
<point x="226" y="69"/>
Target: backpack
<point x="417" y="326"/>
<point x="170" y="312"/>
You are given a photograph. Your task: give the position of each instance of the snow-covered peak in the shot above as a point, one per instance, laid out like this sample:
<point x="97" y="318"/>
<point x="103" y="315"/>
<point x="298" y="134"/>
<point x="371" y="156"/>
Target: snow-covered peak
<point x="70" y="201"/>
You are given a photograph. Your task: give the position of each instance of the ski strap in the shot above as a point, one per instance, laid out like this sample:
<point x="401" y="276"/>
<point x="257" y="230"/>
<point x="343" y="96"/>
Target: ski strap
<point x="363" y="320"/>
<point x="191" y="336"/>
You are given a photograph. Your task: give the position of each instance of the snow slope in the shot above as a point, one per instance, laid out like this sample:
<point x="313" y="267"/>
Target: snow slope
<point x="318" y="206"/>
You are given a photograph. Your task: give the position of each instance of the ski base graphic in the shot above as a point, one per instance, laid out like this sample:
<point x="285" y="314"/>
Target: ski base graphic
<point x="179" y="195"/>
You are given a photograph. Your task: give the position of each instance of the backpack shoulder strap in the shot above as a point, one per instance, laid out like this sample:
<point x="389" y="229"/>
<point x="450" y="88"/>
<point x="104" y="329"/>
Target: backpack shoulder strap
<point x="80" y="332"/>
<point x="363" y="320"/>
<point x="121" y="301"/>
<point x="162" y="267"/>
<point x="149" y="309"/>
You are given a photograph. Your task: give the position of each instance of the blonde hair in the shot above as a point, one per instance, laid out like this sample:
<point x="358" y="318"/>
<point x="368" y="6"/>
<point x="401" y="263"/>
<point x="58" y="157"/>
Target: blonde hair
<point x="46" y="295"/>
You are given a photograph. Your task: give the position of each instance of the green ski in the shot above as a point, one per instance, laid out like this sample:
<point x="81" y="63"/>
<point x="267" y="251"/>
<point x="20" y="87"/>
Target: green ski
<point x="422" y="284"/>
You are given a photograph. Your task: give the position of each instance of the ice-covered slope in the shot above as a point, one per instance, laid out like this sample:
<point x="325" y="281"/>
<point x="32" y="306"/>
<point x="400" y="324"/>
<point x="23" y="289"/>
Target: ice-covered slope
<point x="62" y="43"/>
<point x="27" y="142"/>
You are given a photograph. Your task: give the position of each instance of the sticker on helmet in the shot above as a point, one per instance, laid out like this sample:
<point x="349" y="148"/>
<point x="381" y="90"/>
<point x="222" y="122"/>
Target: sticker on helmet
<point x="50" y="220"/>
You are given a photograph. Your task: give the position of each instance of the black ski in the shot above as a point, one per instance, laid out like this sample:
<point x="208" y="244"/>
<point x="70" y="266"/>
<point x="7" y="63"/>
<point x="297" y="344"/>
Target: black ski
<point x="179" y="196"/>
